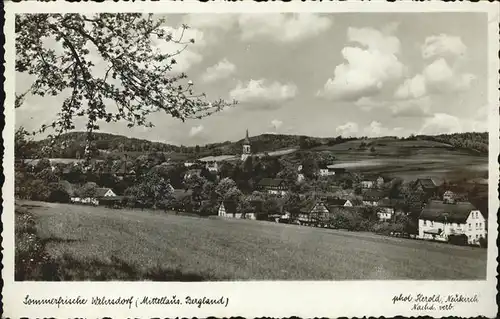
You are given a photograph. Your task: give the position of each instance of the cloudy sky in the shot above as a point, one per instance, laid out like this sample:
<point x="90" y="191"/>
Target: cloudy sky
<point x="347" y="74"/>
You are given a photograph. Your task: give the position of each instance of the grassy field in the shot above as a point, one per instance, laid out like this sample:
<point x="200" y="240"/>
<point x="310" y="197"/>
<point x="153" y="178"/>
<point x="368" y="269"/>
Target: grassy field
<point x="95" y="243"/>
<point x="410" y="160"/>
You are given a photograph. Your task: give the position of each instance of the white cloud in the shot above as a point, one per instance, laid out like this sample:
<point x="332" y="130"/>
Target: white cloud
<point x="368" y="103"/>
<point x="283" y="27"/>
<point x="221" y="70"/>
<point x="412" y="108"/>
<point x="441" y="123"/>
<point x="375" y="129"/>
<point x="437" y="77"/>
<point x="440" y="77"/>
<point x="196" y="130"/>
<point x="443" y="46"/>
<point x="276" y="124"/>
<point x="412" y="88"/>
<point x="374" y="40"/>
<point x="367" y="69"/>
<point x="348" y="129"/>
<point x="262" y="91"/>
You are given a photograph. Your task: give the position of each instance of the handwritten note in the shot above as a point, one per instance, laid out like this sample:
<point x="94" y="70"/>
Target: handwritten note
<point x="421" y="302"/>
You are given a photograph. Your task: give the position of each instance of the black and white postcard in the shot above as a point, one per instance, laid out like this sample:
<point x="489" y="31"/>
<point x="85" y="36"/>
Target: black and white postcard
<point x="249" y="159"/>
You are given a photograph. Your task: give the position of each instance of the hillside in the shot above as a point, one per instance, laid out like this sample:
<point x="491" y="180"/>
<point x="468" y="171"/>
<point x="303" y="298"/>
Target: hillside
<point x="72" y="145"/>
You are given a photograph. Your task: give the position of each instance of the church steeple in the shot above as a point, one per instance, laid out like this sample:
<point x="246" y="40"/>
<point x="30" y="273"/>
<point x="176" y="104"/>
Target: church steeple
<point x="246" y="148"/>
<point x="247" y="140"/>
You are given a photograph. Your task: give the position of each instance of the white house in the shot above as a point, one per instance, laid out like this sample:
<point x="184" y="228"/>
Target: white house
<point x="385" y="213"/>
<point x="273" y="186"/>
<point x="438" y="220"/>
<point x="189" y="164"/>
<point x="386" y="208"/>
<point x="99" y="194"/>
<point x="449" y="197"/>
<point x="300" y="177"/>
<point x="372" y="197"/>
<point x="372" y="182"/>
<point x="324" y="170"/>
<point x="212" y="167"/>
<point x="229" y="209"/>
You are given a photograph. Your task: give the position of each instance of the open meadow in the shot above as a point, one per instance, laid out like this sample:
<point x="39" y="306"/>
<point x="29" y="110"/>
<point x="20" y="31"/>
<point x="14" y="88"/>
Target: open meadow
<point x="96" y="243"/>
<point x="409" y="160"/>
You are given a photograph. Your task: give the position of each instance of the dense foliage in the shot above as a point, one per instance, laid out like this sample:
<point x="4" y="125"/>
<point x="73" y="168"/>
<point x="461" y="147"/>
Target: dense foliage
<point x="472" y="141"/>
<point x="109" y="65"/>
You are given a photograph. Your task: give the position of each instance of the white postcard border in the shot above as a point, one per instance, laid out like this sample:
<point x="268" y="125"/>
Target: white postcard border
<point x="251" y="299"/>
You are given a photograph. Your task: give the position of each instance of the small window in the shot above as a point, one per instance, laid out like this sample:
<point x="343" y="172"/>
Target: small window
<point x="477" y="236"/>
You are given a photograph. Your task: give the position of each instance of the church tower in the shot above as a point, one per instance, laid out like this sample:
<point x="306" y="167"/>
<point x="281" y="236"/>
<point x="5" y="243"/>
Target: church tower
<point x="246" y="148"/>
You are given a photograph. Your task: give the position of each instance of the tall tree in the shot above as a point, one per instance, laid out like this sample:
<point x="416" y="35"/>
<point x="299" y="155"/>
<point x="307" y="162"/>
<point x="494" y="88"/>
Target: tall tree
<point x="138" y="78"/>
<point x="23" y="145"/>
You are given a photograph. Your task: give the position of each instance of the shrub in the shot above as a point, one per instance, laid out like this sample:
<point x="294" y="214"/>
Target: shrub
<point x="483" y="242"/>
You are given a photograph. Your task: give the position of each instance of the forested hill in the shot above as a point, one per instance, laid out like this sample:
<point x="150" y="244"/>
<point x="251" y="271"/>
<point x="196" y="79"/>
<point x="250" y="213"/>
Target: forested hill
<point x="477" y="142"/>
<point x="72" y="145"/>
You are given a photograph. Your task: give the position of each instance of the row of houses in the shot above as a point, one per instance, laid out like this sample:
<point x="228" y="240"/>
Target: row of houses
<point x="438" y="219"/>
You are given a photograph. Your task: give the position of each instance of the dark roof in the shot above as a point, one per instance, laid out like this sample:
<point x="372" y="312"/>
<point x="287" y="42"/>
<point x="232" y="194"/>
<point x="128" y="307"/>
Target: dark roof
<point x="373" y="195"/>
<point x="101" y="191"/>
<point x="307" y="206"/>
<point x="125" y="168"/>
<point x="324" y="195"/>
<point x="335" y="209"/>
<point x="356" y="202"/>
<point x="271" y="182"/>
<point x="336" y="201"/>
<point x="426" y="183"/>
<point x="453" y="213"/>
<point x="337" y="169"/>
<point x="371" y="178"/>
<point x="112" y="199"/>
<point x="230" y="206"/>
<point x="395" y="203"/>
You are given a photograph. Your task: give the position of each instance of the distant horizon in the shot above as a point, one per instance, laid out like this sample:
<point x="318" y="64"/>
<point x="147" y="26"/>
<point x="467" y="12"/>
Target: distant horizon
<point x="266" y="133"/>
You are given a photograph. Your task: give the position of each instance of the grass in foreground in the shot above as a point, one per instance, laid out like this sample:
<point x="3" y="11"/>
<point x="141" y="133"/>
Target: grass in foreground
<point x="95" y="243"/>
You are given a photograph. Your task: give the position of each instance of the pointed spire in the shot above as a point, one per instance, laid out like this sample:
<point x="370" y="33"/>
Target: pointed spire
<point x="247" y="139"/>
